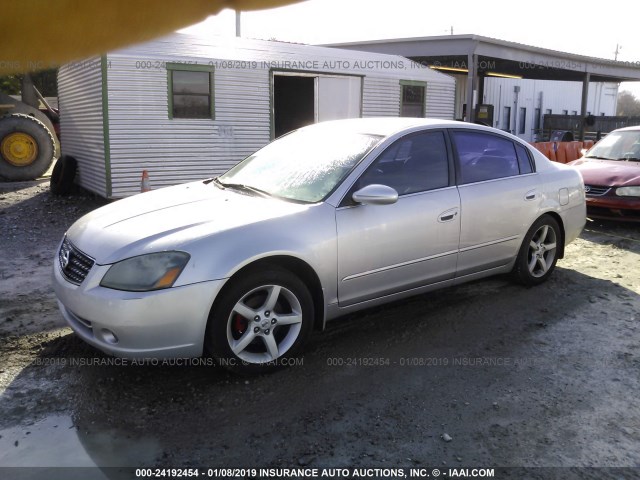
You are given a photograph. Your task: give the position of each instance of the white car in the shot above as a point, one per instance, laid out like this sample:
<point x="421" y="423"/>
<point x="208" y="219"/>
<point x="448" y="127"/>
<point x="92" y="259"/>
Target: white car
<point x="329" y="219"/>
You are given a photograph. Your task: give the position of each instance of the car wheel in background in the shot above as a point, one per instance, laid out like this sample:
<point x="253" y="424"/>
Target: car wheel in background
<point x="27" y="147"/>
<point x="63" y="175"/>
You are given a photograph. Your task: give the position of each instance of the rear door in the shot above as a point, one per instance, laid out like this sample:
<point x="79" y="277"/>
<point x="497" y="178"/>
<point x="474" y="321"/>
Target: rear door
<point x="500" y="196"/>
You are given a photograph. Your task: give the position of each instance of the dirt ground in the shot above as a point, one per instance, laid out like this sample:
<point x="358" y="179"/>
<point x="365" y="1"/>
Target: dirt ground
<point x="489" y="374"/>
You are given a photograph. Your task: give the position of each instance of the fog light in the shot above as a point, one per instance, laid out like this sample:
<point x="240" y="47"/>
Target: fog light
<point x="108" y="336"/>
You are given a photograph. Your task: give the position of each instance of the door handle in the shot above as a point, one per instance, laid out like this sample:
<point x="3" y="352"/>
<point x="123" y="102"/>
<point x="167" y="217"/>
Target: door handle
<point x="531" y="195"/>
<point x="448" y="215"/>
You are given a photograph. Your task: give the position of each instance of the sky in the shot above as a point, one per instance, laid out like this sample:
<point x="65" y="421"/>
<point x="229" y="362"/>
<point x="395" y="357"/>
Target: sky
<point x="569" y="26"/>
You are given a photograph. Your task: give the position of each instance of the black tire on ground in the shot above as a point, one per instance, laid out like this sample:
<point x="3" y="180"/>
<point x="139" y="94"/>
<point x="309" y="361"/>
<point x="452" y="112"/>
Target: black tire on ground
<point x="13" y="166"/>
<point x="254" y="288"/>
<point x="63" y="175"/>
<point x="539" y="252"/>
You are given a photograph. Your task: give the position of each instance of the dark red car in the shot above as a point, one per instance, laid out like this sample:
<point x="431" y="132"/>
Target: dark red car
<point x="611" y="173"/>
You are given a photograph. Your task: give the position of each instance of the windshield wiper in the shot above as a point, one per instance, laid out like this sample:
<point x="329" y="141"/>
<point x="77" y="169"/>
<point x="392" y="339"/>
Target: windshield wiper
<point x="630" y="159"/>
<point x="243" y="187"/>
<point x="600" y="158"/>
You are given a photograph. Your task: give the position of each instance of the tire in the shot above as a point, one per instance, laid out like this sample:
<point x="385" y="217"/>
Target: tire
<point x="263" y="342"/>
<point x="63" y="175"/>
<point x="27" y="147"/>
<point x="539" y="252"/>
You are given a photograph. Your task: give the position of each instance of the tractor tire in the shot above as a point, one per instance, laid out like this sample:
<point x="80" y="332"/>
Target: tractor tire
<point x="27" y="147"/>
<point x="63" y="175"/>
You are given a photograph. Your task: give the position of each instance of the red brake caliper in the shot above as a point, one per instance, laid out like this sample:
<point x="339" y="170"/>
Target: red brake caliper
<point x="239" y="324"/>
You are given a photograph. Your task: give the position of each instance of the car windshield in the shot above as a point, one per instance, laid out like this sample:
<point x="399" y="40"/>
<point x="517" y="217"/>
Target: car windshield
<point x="617" y="146"/>
<point x="303" y="166"/>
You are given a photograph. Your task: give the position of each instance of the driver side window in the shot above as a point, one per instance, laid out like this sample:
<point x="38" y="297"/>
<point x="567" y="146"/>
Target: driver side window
<point x="415" y="163"/>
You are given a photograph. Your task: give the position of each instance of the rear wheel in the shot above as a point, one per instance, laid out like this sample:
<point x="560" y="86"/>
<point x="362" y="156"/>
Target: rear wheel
<point x="261" y="321"/>
<point x="27" y="147"/>
<point x="539" y="252"/>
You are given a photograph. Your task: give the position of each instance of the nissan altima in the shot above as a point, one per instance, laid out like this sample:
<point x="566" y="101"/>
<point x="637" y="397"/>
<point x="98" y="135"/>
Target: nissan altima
<point x="329" y="219"/>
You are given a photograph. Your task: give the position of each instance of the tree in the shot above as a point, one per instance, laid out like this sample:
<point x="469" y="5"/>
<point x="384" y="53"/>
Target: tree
<point x="44" y="80"/>
<point x="628" y="104"/>
<point x="10" y="85"/>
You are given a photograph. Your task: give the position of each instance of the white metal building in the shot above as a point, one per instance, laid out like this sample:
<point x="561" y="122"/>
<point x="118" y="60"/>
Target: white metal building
<point x="185" y="107"/>
<point x="530" y="76"/>
<point x="520" y="104"/>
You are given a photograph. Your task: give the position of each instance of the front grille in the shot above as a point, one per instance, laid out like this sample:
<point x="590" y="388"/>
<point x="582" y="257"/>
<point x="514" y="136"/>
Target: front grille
<point x="595" y="190"/>
<point x="74" y="264"/>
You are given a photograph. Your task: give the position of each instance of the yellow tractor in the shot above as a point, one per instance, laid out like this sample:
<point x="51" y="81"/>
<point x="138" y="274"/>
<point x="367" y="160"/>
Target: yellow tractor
<point x="28" y="139"/>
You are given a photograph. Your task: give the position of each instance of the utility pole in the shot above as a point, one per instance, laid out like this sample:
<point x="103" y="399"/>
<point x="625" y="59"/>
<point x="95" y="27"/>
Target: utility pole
<point x="238" y="33"/>
<point x="618" y="48"/>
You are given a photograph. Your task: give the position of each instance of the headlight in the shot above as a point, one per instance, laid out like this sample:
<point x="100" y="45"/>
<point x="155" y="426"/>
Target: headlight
<point x="146" y="272"/>
<point x="628" y="191"/>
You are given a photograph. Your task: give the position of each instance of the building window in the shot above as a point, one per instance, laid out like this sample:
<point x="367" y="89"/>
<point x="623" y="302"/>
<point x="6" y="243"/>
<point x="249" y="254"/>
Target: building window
<point x="536" y="119"/>
<point x="413" y="98"/>
<point x="506" y="119"/>
<point x="523" y="121"/>
<point x="190" y="91"/>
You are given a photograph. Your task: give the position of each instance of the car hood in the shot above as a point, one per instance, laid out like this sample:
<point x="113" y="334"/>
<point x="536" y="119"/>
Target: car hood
<point x="170" y="218"/>
<point x="610" y="173"/>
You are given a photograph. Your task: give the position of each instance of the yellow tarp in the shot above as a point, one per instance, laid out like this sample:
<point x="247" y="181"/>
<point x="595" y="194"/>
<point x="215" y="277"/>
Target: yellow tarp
<point x="39" y="34"/>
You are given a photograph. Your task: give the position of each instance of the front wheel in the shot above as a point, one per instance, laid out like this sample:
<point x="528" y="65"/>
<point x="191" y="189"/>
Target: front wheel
<point x="539" y="252"/>
<point x="261" y="321"/>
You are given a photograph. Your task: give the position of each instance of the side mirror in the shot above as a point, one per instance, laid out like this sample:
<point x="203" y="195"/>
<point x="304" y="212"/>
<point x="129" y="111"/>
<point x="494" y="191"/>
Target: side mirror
<point x="375" y="194"/>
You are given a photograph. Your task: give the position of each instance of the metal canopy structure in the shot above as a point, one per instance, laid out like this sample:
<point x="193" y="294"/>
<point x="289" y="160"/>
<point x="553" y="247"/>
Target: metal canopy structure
<point x="480" y="57"/>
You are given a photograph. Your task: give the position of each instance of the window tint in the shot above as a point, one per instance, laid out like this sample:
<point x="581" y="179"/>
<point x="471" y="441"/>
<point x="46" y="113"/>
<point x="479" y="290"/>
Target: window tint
<point x="412" y="164"/>
<point x="524" y="161"/>
<point x="190" y="93"/>
<point x="484" y="156"/>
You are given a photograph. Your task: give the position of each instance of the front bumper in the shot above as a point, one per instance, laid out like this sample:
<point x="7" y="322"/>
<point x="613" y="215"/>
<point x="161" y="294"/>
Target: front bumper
<point x="168" y="323"/>
<point x="614" y="207"/>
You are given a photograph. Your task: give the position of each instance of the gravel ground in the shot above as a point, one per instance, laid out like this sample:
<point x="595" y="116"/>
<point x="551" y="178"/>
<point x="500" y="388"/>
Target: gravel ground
<point x="488" y="374"/>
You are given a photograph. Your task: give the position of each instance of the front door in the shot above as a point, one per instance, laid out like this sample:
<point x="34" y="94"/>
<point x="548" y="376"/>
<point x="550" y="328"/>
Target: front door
<point x="385" y="249"/>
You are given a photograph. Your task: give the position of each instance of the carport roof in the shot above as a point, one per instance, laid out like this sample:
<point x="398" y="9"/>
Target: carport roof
<point x="501" y="57"/>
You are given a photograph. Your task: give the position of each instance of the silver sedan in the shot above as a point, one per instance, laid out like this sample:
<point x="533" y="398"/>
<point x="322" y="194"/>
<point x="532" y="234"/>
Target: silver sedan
<point x="329" y="219"/>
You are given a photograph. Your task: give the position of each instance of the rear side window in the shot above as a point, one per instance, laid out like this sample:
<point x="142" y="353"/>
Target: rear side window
<point x="484" y="156"/>
<point x="524" y="161"/>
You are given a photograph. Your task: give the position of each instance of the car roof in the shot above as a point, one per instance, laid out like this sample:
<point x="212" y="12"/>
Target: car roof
<point x="627" y="129"/>
<point x="388" y="126"/>
<point x="383" y="126"/>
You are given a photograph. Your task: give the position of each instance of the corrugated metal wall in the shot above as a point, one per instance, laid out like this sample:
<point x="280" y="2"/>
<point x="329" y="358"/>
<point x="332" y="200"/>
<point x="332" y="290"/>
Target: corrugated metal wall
<point x="81" y="122"/>
<point x="143" y="137"/>
<point x="180" y="150"/>
<point x="441" y="100"/>
<point x="380" y="97"/>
